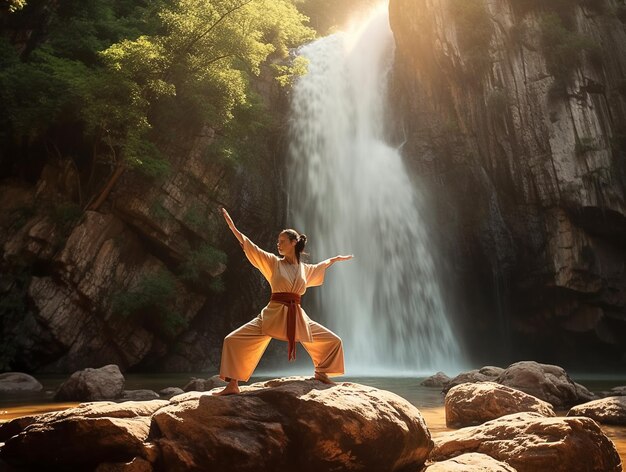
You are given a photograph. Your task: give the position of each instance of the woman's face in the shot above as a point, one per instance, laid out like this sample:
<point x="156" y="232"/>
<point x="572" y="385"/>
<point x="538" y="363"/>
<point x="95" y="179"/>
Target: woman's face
<point x="285" y="245"/>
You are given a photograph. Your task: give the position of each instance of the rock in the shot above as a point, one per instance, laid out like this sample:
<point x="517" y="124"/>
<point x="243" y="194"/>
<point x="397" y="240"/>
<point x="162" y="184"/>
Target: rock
<point x="203" y="385"/>
<point x="108" y="439"/>
<point x="546" y="382"/>
<point x="12" y="427"/>
<point x="284" y="424"/>
<point x="92" y="384"/>
<point x="169" y="392"/>
<point x="619" y="391"/>
<point x="11" y="382"/>
<point x="545" y="224"/>
<point x="195" y="385"/>
<point x="475" y="403"/>
<point x="84" y="410"/>
<point x="136" y="465"/>
<point x="471" y="462"/>
<point x="139" y="395"/>
<point x="84" y="436"/>
<point x="214" y="382"/>
<point x="611" y="410"/>
<point x="529" y="442"/>
<point x="485" y="374"/>
<point x="437" y="380"/>
<point x="293" y="424"/>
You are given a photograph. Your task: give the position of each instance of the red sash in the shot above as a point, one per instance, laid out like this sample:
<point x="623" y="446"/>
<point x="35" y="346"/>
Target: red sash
<point x="292" y="300"/>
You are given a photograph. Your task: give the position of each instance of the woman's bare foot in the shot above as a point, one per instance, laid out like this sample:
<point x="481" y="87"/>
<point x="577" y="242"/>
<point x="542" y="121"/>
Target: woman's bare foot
<point x="231" y="389"/>
<point x="322" y="377"/>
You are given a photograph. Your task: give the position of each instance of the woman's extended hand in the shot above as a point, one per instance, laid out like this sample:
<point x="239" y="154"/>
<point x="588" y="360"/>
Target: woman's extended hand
<point x="340" y="258"/>
<point x="227" y="217"/>
<point x="231" y="225"/>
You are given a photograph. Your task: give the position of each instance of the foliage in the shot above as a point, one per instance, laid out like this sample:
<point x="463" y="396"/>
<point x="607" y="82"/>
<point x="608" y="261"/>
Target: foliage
<point x="198" y="266"/>
<point x="561" y="46"/>
<point x="21" y="215"/>
<point x="158" y="211"/>
<point x="62" y="86"/>
<point x="66" y="214"/>
<point x="286" y="74"/>
<point x="13" y="311"/>
<point x="195" y="217"/>
<point x="200" y="64"/>
<point x="239" y="141"/>
<point x="474" y="30"/>
<point x="13" y="5"/>
<point x="585" y="144"/>
<point x="118" y="81"/>
<point x="618" y="145"/>
<point x="150" y="304"/>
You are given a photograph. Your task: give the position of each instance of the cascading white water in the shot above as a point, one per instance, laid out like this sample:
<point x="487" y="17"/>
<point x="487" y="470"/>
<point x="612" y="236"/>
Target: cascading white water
<point x="351" y="194"/>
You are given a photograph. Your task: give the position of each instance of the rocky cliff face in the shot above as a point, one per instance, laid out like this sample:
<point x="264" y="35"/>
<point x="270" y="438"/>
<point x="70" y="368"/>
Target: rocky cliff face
<point x="139" y="282"/>
<point x="514" y="119"/>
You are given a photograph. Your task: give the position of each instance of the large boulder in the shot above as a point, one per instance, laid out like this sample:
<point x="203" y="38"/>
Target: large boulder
<point x="12" y="382"/>
<point x="471" y="462"/>
<point x="530" y="442"/>
<point x="83" y="410"/>
<point x="475" y="403"/>
<point x="203" y="385"/>
<point x="438" y="380"/>
<point x="484" y="374"/>
<point x="139" y="395"/>
<point x="169" y="392"/>
<point x="90" y="384"/>
<point x="546" y="382"/>
<point x="611" y="410"/>
<point x="81" y="437"/>
<point x="136" y="465"/>
<point x="293" y="424"/>
<point x="280" y="425"/>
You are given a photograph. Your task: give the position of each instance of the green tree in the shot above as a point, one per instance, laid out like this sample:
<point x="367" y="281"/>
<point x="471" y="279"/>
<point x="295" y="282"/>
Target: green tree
<point x="119" y="80"/>
<point x="474" y="30"/>
<point x="197" y="69"/>
<point x="562" y="47"/>
<point x="12" y="5"/>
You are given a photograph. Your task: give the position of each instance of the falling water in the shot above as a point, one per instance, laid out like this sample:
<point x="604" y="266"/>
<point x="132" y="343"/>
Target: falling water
<point x="350" y="192"/>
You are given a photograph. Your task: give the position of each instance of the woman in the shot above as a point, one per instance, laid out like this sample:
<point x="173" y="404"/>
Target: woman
<point x="283" y="318"/>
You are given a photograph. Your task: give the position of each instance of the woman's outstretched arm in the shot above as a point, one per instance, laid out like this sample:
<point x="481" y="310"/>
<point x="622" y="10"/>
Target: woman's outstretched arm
<point x="232" y="226"/>
<point x="262" y="260"/>
<point x="314" y="273"/>
<point x="332" y="260"/>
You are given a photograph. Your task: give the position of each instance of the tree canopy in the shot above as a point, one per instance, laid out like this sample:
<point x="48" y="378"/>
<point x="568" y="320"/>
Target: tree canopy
<point x="122" y="77"/>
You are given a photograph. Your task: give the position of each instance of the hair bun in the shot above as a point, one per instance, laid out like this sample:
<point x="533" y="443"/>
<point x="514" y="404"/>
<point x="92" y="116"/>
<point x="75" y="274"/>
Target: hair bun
<point x="302" y="237"/>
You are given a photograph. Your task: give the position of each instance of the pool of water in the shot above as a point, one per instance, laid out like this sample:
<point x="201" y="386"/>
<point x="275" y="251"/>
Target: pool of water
<point x="428" y="400"/>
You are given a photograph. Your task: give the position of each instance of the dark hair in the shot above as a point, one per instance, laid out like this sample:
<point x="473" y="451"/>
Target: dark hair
<point x="293" y="235"/>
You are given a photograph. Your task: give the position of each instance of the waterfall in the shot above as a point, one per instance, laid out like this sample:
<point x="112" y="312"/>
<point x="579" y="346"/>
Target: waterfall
<point x="350" y="193"/>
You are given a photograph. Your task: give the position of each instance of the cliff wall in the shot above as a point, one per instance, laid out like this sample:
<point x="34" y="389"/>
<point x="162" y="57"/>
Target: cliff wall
<point x="513" y="118"/>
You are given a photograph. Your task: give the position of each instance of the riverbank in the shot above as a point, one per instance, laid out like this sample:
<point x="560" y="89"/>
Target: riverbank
<point x="429" y="401"/>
